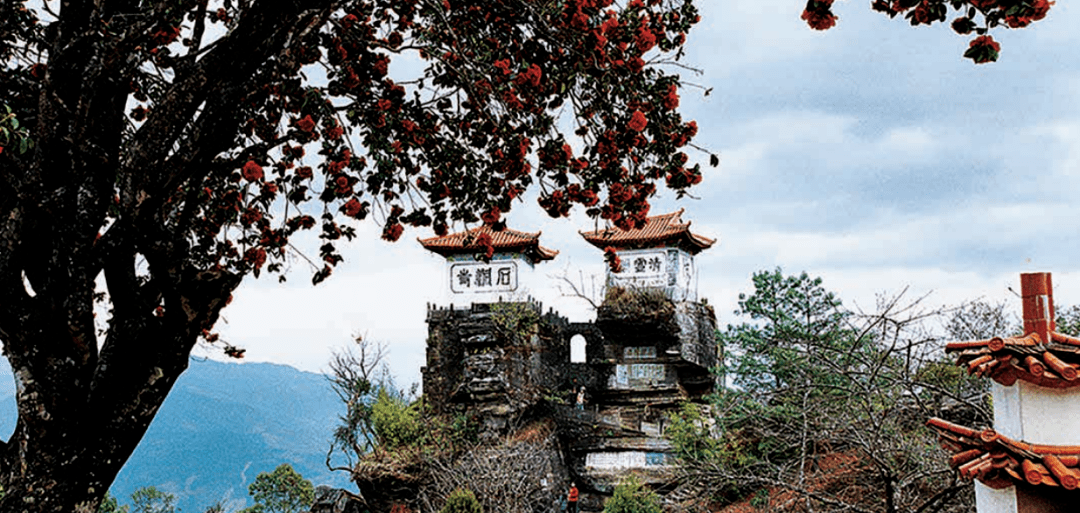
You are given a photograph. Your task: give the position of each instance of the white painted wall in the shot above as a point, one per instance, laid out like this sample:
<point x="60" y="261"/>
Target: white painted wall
<point x="1037" y="414"/>
<point x="989" y="500"/>
<point x="669" y="268"/>
<point x="1049" y="415"/>
<point x="508" y="276"/>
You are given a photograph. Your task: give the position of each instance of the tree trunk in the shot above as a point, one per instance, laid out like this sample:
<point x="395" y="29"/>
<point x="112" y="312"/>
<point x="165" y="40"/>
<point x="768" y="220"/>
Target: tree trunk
<point x="81" y="413"/>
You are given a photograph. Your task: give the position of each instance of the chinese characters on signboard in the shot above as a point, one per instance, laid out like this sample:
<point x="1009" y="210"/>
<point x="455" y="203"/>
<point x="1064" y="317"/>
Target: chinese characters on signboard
<point x="668" y="268"/>
<point x="625" y="459"/>
<point x="468" y="277"/>
<point x="639" y="353"/>
<point x="637" y="373"/>
<point x="648" y="268"/>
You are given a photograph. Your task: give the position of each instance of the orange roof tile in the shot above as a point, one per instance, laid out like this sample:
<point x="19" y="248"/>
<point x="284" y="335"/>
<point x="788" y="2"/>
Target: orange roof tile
<point x="999" y="461"/>
<point x="506" y="240"/>
<point x="1051" y="364"/>
<point x="659" y="231"/>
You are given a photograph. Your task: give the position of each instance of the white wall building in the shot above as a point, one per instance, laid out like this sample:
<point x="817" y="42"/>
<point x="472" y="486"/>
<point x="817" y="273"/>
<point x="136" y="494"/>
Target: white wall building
<point x="508" y="275"/>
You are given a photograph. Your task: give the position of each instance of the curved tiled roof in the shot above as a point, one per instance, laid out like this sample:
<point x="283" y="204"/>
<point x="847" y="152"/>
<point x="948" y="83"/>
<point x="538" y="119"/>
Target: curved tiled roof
<point x="1051" y="364"/>
<point x="506" y="240"/>
<point x="659" y="231"/>
<point x="998" y="461"/>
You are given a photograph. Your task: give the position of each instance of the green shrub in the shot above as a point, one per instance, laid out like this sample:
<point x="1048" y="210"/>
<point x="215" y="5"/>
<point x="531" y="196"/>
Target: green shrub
<point x="396" y="422"/>
<point x="282" y="491"/>
<point x="688" y="431"/>
<point x="515" y="320"/>
<point x="462" y="501"/>
<point x="631" y="497"/>
<point x="637" y="302"/>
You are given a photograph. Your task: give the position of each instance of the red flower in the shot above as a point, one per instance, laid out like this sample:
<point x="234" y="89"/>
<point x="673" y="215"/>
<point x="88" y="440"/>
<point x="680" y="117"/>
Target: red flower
<point x="491" y="216"/>
<point x="256" y="257"/>
<point x="484" y="241"/>
<point x="252" y="172"/>
<point x="983" y="49"/>
<point x="503" y="65"/>
<point x="530" y="76"/>
<point x="671" y="101"/>
<point x="645" y="39"/>
<point x="334" y="132"/>
<point x="304" y="172"/>
<point x="395" y="39"/>
<point x="408" y="125"/>
<point x="250" y="216"/>
<point x="305" y="222"/>
<point x="306" y="124"/>
<point x="38" y="71"/>
<point x="637" y="121"/>
<point x="381" y="65"/>
<point x="384" y="104"/>
<point x="348" y="21"/>
<point x="818" y="15"/>
<point x="1035" y="12"/>
<point x="691" y="128"/>
<point x="165" y="35"/>
<point x="612" y="259"/>
<point x="392" y="232"/>
<point x="963" y="25"/>
<point x="139" y="113"/>
<point x="352" y="208"/>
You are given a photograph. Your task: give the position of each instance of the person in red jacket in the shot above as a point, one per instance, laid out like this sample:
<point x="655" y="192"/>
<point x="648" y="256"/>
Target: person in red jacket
<point x="571" y="499"/>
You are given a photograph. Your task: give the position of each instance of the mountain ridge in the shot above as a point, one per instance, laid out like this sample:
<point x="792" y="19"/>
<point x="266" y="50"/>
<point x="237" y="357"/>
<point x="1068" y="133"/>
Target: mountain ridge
<point x="223" y="424"/>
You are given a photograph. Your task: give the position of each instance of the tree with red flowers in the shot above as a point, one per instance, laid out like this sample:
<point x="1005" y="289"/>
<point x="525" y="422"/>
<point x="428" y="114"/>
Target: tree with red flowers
<point x="174" y="148"/>
<point x="975" y="16"/>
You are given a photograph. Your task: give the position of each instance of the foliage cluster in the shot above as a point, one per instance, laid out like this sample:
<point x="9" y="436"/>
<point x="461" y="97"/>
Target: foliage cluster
<point x="636" y="302"/>
<point x="812" y="383"/>
<point x="151" y="500"/>
<point x="148" y="499"/>
<point x="180" y="147"/>
<point x="381" y="416"/>
<point x="462" y="501"/>
<point x="396" y="422"/>
<point x="282" y="491"/>
<point x="630" y="496"/>
<point x="690" y="431"/>
<point x="976" y="17"/>
<point x="515" y="319"/>
<point x="11" y="132"/>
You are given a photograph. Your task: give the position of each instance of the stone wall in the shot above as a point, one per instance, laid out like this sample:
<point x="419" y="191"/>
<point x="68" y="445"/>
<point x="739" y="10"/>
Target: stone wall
<point x="508" y="365"/>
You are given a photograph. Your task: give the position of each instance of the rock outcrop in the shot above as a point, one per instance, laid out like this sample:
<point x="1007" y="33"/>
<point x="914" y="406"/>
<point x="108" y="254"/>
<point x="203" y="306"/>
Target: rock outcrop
<point x="508" y="366"/>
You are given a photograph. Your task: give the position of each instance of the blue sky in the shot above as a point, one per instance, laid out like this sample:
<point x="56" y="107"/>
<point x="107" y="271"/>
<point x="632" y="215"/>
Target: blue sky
<point x="872" y="155"/>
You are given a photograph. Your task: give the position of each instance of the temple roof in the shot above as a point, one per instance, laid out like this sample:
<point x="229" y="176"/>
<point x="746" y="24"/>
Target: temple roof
<point x="504" y="241"/>
<point x="999" y="462"/>
<point x="665" y="230"/>
<point x="1051" y="364"/>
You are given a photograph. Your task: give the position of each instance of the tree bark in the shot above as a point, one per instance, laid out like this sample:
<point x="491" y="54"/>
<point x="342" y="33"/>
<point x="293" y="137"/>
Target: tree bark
<point x="82" y="411"/>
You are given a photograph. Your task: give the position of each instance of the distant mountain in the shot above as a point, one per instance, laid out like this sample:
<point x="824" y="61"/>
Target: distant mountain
<point x="222" y="424"/>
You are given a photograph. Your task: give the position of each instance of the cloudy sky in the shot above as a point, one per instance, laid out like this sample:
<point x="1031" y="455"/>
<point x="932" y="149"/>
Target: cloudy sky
<point x="872" y="155"/>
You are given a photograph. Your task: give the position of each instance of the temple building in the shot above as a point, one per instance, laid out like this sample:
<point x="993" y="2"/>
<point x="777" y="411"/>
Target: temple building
<point x="658" y="255"/>
<point x="508" y="274"/>
<point x="497" y="356"/>
<point x="1030" y="460"/>
<point x="657" y="351"/>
